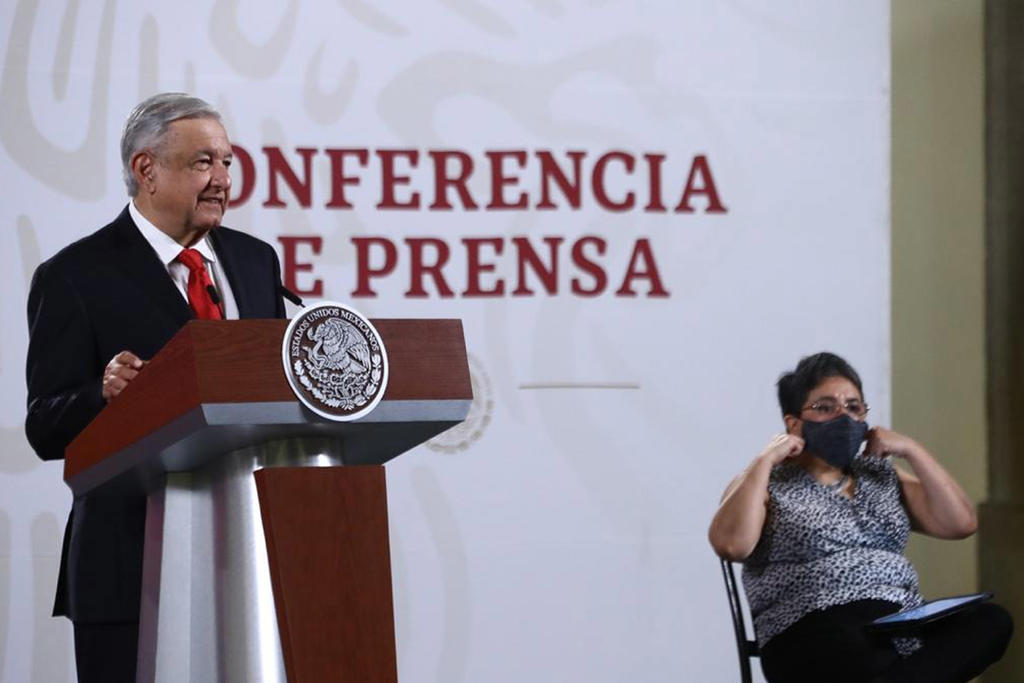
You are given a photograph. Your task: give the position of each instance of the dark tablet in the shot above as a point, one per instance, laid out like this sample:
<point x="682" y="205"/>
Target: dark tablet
<point x="929" y="611"/>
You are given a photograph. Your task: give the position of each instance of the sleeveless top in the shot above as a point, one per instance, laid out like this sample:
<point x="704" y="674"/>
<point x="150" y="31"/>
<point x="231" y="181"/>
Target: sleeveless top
<point x="820" y="549"/>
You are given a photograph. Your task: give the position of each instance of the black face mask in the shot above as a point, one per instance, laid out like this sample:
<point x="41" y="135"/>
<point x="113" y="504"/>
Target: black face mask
<point x="835" y="441"/>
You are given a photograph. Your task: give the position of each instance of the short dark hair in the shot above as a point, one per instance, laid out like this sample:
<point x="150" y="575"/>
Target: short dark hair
<point x="810" y="372"/>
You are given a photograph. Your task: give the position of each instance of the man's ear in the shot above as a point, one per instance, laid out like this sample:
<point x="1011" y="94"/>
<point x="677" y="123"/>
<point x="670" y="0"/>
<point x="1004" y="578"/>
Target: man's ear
<point x="794" y="425"/>
<point x="143" y="166"/>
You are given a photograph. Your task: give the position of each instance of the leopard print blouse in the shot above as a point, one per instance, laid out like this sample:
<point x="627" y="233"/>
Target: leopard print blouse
<point x="819" y="549"/>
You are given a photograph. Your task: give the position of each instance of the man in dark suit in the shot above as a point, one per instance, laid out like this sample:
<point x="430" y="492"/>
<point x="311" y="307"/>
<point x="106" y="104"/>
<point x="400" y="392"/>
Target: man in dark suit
<point x="100" y="308"/>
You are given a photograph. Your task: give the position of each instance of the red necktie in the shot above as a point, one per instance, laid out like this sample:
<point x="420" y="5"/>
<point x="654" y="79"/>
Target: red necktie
<point x="198" y="286"/>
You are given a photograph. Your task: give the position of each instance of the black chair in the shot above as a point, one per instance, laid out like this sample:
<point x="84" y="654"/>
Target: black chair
<point x="746" y="648"/>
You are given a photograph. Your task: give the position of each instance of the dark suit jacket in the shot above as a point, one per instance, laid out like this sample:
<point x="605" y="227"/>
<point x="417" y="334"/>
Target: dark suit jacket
<point x="104" y="294"/>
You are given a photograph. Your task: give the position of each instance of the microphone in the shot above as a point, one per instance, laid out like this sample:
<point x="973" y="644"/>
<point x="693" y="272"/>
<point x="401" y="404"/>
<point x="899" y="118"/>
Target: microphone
<point x="290" y="295"/>
<point x="214" y="296"/>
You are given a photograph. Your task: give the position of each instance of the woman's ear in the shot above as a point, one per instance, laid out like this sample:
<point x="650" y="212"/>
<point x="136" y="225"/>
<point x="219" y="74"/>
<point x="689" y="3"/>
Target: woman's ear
<point x="794" y="425"/>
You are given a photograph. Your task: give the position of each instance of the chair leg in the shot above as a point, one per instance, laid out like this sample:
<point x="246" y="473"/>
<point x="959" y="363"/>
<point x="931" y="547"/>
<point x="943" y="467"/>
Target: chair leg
<point x="744" y="647"/>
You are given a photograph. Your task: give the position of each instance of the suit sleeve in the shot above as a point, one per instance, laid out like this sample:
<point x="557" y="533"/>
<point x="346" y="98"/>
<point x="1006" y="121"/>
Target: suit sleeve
<point x="63" y="371"/>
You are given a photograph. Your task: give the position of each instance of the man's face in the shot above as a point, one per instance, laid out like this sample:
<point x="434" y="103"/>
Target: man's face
<point x="190" y="182"/>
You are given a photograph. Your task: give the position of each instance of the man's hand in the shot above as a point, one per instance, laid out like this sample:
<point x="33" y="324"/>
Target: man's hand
<point x="782" y="447"/>
<point x="121" y="369"/>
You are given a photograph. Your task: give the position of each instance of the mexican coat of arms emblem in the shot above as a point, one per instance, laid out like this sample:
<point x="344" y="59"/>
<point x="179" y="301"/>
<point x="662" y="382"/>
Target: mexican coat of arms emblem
<point x="335" y="361"/>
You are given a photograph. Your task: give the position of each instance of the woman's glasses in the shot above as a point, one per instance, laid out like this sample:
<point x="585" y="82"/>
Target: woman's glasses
<point x="829" y="407"/>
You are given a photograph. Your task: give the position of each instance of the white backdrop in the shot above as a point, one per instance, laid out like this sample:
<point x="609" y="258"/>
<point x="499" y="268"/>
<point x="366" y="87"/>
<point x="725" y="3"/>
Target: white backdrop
<point x="561" y="534"/>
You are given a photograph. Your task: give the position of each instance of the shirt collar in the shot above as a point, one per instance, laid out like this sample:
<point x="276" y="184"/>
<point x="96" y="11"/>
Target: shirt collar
<point x="166" y="248"/>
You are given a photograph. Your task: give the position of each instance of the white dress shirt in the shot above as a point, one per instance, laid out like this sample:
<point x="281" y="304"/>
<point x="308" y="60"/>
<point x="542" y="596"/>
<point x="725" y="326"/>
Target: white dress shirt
<point x="167" y="251"/>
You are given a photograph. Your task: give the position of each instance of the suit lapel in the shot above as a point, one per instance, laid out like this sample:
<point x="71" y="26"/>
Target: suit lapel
<point x="139" y="260"/>
<point x="228" y="260"/>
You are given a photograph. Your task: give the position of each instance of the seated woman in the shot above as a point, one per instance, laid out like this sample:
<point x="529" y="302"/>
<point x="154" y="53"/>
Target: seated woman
<point x="821" y="529"/>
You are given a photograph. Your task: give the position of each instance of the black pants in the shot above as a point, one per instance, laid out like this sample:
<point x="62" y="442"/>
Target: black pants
<point x="833" y="645"/>
<point x="106" y="652"/>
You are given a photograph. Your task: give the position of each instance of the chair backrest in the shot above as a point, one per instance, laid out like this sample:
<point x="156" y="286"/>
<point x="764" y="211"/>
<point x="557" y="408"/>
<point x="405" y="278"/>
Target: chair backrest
<point x="745" y="648"/>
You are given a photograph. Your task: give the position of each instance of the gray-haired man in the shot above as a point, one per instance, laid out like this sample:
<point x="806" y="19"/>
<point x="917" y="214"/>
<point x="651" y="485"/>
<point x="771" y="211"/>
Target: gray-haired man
<point x="102" y="306"/>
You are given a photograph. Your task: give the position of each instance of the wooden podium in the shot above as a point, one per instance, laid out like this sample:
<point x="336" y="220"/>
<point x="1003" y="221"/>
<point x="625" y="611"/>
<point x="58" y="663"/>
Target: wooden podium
<point x="267" y="554"/>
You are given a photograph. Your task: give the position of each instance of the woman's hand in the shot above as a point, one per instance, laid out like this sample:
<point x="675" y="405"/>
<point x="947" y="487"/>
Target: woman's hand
<point x="882" y="441"/>
<point x="737" y="525"/>
<point x="782" y="447"/>
<point x="936" y="503"/>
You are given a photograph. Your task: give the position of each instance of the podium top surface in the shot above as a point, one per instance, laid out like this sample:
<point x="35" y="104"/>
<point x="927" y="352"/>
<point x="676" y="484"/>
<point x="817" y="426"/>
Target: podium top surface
<point x="220" y="385"/>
